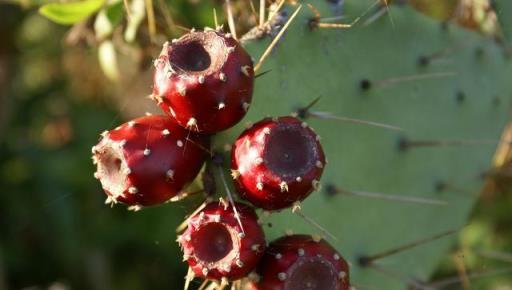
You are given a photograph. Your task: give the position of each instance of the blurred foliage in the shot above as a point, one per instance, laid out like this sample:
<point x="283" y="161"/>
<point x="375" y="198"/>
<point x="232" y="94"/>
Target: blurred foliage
<point x="70" y="12"/>
<point x="54" y="225"/>
<point x="55" y="231"/>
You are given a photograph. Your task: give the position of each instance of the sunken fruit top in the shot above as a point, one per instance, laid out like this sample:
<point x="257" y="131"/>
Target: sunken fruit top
<point x="218" y="245"/>
<point x="301" y="262"/>
<point x="148" y="160"/>
<point x="204" y="80"/>
<point x="276" y="162"/>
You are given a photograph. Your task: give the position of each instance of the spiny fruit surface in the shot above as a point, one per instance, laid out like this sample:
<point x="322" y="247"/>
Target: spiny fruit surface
<point x="204" y="80"/>
<point x="148" y="160"/>
<point x="301" y="262"/>
<point x="217" y="245"/>
<point x="276" y="162"/>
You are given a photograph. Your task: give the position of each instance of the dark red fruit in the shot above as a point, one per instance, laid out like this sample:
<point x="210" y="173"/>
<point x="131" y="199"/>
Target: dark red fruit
<point x="205" y="80"/>
<point x="277" y="162"/>
<point x="148" y="160"/>
<point x="301" y="262"/>
<point x="215" y="245"/>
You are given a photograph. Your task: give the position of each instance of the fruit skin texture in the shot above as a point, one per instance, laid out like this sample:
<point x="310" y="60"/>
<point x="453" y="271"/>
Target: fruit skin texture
<point x="215" y="246"/>
<point x="301" y="262"/>
<point x="148" y="160"/>
<point x="277" y="162"/>
<point x="204" y="80"/>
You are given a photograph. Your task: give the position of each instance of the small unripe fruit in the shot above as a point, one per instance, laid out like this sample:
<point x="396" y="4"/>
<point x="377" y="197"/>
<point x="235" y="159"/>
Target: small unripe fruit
<point x="301" y="262"/>
<point x="215" y="245"/>
<point x="148" y="160"/>
<point x="277" y="162"/>
<point x="204" y="80"/>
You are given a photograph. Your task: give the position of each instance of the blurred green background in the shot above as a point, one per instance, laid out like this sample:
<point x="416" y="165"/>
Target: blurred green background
<point x="54" y="228"/>
<point x="55" y="231"/>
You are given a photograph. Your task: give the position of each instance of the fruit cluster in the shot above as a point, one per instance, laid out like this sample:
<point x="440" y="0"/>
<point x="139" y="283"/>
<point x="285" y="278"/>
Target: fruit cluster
<point x="203" y="83"/>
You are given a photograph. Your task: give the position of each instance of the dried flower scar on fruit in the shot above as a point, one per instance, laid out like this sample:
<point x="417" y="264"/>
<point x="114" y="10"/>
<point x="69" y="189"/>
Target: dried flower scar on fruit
<point x="204" y="80"/>
<point x="148" y="160"/>
<point x="277" y="162"/>
<point x="216" y="247"/>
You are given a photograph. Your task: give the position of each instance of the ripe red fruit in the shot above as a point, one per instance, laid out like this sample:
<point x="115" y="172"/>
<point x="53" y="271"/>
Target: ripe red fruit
<point x="215" y="245"/>
<point x="301" y="262"/>
<point x="277" y="162"/>
<point x="205" y="80"/>
<point x="148" y="160"/>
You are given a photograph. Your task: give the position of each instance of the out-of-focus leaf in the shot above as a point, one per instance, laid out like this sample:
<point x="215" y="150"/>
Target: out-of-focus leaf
<point x="107" y="19"/>
<point x="138" y="12"/>
<point x="115" y="11"/>
<point x="70" y="13"/>
<point x="108" y="60"/>
<point x="102" y="25"/>
<point x="478" y="15"/>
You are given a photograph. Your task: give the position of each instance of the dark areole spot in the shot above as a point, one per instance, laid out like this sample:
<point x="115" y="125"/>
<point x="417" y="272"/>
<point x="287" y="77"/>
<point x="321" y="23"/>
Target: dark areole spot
<point x="365" y="84"/>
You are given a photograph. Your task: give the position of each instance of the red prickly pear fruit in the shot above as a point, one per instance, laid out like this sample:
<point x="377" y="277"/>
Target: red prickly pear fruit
<point x="277" y="162"/>
<point x="148" y="161"/>
<point x="204" y="80"/>
<point x="216" y="247"/>
<point x="301" y="262"/>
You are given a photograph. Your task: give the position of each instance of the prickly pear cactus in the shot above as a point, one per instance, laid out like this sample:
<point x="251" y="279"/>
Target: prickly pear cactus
<point x="504" y="7"/>
<point x="451" y="108"/>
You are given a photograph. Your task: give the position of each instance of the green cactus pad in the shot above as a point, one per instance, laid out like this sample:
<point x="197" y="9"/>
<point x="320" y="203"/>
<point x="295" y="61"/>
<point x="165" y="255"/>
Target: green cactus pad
<point x="470" y="106"/>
